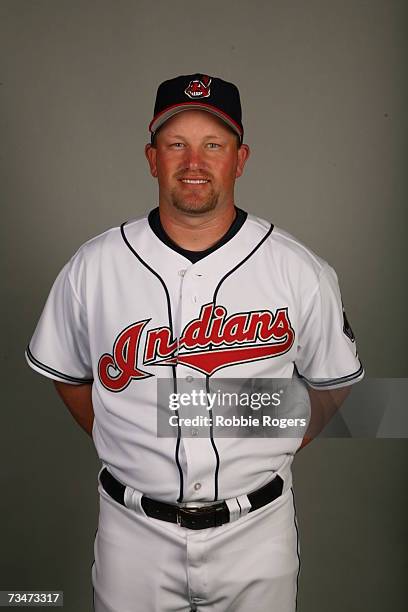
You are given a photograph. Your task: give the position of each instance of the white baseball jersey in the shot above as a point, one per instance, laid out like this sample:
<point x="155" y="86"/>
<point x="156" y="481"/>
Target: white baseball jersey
<point x="128" y="309"/>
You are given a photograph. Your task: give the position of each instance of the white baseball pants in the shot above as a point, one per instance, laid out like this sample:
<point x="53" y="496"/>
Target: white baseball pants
<point x="147" y="565"/>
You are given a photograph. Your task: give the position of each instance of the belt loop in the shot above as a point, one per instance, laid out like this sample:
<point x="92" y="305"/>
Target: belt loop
<point x="128" y="498"/>
<point x="238" y="506"/>
<point x="244" y="504"/>
<point x="132" y="500"/>
<point x="234" y="509"/>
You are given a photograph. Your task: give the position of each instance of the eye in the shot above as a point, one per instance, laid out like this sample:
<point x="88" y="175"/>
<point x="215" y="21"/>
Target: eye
<point x="213" y="145"/>
<point x="177" y="145"/>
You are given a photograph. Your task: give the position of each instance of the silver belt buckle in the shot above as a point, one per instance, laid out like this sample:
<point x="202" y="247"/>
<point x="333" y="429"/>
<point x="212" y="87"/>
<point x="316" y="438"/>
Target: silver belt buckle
<point x="188" y="513"/>
<point x="195" y="506"/>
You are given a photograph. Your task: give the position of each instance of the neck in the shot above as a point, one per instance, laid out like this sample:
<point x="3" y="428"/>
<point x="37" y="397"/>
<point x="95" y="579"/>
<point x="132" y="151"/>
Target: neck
<point x="196" y="233"/>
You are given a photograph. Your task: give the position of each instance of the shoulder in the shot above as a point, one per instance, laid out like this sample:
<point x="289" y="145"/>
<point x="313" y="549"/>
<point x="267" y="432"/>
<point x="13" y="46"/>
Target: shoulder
<point x="102" y="251"/>
<point x="108" y="241"/>
<point x="297" y="251"/>
<point x="287" y="248"/>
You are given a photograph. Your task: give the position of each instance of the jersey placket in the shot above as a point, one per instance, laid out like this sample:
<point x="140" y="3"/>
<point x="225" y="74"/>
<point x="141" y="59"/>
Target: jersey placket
<point x="200" y="460"/>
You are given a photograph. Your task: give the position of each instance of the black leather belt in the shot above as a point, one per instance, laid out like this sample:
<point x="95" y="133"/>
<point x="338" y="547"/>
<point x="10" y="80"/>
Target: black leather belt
<point x="202" y="517"/>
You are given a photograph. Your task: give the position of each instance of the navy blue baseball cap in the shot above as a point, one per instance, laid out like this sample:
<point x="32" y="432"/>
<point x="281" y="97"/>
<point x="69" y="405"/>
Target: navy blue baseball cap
<point x="202" y="92"/>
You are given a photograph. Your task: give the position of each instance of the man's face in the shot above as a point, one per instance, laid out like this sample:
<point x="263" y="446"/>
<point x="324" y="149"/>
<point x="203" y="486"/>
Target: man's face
<point x="196" y="161"/>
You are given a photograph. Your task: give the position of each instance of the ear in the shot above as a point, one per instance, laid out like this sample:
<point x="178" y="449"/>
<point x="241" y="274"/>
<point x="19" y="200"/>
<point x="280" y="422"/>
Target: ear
<point x="151" y="153"/>
<point x="243" y="154"/>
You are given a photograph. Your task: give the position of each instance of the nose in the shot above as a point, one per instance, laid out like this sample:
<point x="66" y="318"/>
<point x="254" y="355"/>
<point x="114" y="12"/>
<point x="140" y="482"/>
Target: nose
<point x="194" y="158"/>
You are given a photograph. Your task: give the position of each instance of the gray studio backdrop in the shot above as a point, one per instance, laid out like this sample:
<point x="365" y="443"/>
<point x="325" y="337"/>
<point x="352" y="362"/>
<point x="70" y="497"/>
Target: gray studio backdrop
<point x="324" y="99"/>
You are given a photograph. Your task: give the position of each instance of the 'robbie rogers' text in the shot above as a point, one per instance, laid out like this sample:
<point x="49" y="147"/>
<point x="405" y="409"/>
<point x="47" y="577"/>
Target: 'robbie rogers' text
<point x="235" y="421"/>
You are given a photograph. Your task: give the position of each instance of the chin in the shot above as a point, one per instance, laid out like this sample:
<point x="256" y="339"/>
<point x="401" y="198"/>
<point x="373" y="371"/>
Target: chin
<point x="195" y="208"/>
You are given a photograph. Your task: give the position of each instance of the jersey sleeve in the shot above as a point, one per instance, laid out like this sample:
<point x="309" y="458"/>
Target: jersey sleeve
<point x="327" y="355"/>
<point x="59" y="348"/>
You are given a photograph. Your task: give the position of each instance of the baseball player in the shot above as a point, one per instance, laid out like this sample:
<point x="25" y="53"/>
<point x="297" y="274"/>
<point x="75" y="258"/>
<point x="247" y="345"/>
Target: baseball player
<point x="198" y="289"/>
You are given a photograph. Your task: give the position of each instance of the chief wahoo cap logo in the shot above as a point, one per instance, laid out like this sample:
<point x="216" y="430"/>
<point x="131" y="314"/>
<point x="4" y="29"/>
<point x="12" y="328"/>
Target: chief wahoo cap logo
<point x="199" y="88"/>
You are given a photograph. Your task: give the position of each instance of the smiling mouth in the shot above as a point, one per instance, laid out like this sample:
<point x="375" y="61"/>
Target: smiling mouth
<point x="195" y="181"/>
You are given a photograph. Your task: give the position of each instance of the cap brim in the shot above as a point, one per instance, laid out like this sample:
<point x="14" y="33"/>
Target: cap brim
<point x="170" y="111"/>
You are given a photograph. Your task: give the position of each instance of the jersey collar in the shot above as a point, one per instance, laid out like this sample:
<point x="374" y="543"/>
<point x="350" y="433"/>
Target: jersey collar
<point x="194" y="256"/>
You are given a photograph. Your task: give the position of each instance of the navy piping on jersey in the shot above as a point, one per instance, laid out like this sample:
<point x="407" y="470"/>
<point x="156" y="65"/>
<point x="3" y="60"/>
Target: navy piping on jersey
<point x="50" y="370"/>
<point x="173" y="367"/>
<point x="194" y="256"/>
<point x="297" y="547"/>
<point x="260" y="243"/>
<point x="215" y="449"/>
<point x="332" y="381"/>
<point x="242" y="262"/>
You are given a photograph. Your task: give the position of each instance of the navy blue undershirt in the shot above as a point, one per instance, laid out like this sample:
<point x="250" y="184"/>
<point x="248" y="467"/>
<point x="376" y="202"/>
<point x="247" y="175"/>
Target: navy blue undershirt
<point x="194" y="256"/>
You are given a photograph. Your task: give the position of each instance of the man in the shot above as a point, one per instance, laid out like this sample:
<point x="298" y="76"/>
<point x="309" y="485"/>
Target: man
<point x="197" y="290"/>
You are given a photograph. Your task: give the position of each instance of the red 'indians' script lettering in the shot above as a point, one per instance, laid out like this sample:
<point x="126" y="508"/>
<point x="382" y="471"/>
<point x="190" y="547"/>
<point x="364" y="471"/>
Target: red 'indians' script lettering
<point x="123" y="360"/>
<point x="241" y="338"/>
<point x="213" y="327"/>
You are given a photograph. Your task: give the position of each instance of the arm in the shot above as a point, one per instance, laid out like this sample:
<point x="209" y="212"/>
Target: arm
<point x="323" y="405"/>
<point x="78" y="399"/>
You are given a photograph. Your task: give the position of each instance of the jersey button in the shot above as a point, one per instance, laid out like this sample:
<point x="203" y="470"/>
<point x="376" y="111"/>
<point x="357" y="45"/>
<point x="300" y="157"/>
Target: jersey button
<point x="189" y="378"/>
<point x="182" y="272"/>
<point x="197" y="486"/>
<point x="194" y="432"/>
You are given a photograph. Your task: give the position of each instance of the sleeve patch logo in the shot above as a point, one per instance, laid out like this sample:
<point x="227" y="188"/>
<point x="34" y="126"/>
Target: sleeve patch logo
<point x="347" y="327"/>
